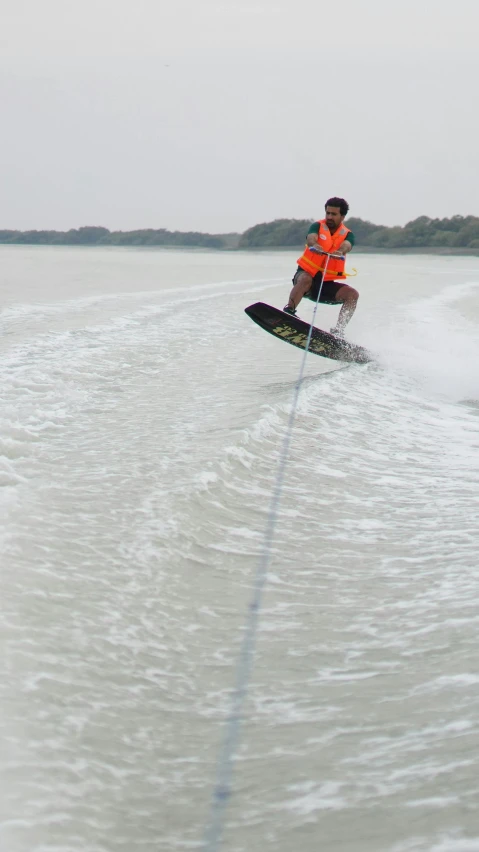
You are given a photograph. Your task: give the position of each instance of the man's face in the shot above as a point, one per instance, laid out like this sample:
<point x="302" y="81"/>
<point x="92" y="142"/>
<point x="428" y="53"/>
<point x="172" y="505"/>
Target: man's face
<point x="333" y="218"/>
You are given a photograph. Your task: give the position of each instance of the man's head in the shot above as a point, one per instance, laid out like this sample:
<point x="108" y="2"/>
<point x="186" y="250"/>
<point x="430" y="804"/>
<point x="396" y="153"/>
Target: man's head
<point x="336" y="209"/>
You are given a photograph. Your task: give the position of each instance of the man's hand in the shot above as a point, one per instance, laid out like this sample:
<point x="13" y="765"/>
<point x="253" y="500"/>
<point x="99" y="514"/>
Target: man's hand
<point x="313" y="243"/>
<point x="319" y="250"/>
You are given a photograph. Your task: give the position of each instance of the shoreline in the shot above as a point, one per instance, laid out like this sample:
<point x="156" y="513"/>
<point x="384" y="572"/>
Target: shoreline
<point x="412" y="250"/>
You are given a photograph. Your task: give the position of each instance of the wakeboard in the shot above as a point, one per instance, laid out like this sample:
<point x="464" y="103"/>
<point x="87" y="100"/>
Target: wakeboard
<point x="296" y="331"/>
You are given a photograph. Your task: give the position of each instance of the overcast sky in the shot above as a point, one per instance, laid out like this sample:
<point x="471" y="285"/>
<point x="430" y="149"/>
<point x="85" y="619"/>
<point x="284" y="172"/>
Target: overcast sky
<point x="219" y="114"/>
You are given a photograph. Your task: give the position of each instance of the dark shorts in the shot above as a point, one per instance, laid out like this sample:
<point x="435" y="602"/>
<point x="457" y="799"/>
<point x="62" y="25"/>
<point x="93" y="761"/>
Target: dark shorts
<point x="329" y="290"/>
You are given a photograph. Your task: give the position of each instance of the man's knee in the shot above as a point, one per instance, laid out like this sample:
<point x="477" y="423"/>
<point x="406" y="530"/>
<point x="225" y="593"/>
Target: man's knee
<point x="303" y="280"/>
<point x="351" y="295"/>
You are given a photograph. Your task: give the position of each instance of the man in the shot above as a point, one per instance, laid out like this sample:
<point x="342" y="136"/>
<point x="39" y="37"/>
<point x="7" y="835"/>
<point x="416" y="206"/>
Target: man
<point x="328" y="235"/>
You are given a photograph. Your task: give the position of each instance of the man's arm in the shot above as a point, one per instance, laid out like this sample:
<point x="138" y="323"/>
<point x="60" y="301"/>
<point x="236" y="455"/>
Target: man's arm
<point x="344" y="248"/>
<point x="312" y="239"/>
<point x="312" y="235"/>
<point x="347" y="244"/>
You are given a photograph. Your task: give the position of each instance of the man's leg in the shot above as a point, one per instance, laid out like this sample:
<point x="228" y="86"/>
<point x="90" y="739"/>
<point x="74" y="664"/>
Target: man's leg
<point x="302" y="282"/>
<point x="349" y="298"/>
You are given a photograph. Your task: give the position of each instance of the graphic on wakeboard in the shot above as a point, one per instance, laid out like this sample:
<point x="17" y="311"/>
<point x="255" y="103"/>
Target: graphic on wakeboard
<point x="296" y="331"/>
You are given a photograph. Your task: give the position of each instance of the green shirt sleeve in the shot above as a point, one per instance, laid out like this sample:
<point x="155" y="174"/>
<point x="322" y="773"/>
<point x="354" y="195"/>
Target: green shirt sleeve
<point x="314" y="229"/>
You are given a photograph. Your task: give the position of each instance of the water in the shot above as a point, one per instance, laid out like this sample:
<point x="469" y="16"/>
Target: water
<point x="142" y="419"/>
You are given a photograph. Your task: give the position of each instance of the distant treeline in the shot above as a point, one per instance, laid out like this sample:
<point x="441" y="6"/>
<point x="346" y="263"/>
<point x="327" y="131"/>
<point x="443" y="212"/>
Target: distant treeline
<point x="96" y="236"/>
<point x="455" y="233"/>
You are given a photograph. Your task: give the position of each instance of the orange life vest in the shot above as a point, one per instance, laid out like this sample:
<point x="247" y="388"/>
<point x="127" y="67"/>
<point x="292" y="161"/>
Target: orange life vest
<point x="313" y="262"/>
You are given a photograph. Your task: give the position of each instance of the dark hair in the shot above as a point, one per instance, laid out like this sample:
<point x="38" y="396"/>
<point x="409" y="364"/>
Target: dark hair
<point x="338" y="202"/>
